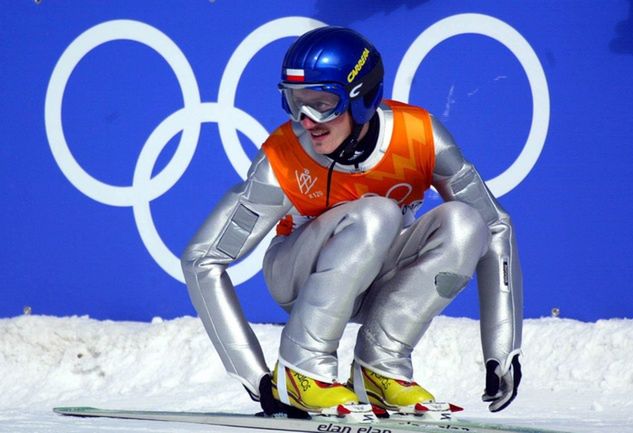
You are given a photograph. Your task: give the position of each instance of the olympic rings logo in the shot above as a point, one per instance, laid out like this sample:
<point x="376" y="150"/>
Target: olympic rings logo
<point x="231" y="119"/>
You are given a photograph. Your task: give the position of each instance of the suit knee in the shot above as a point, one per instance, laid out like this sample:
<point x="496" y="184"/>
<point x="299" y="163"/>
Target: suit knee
<point x="468" y="226"/>
<point x="380" y="214"/>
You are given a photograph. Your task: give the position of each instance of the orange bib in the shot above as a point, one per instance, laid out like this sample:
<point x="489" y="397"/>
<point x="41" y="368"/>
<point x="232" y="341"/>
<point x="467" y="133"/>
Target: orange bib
<point x="403" y="174"/>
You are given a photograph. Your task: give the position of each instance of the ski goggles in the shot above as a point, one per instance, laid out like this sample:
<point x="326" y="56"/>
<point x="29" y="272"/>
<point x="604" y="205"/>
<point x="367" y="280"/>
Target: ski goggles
<point x="320" y="102"/>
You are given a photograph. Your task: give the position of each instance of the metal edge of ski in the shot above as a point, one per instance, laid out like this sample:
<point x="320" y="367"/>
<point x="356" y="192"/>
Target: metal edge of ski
<point x="316" y="424"/>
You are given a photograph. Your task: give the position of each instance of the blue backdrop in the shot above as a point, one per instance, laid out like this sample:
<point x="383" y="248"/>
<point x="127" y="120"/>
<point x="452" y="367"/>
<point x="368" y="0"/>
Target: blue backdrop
<point x="124" y="122"/>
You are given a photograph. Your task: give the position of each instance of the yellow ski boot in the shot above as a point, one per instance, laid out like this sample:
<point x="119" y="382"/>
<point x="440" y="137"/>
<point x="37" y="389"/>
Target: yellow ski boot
<point x="389" y="394"/>
<point x="312" y="395"/>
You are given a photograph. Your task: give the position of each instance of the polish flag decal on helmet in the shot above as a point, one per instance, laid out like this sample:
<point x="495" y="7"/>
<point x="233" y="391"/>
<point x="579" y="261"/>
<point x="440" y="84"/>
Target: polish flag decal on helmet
<point x="296" y="75"/>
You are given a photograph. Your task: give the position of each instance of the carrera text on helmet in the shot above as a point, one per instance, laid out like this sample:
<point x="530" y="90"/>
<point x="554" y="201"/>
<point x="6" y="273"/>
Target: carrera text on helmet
<point x="361" y="62"/>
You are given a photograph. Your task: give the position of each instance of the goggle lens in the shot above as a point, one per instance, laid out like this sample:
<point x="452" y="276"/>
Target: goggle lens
<point x="317" y="103"/>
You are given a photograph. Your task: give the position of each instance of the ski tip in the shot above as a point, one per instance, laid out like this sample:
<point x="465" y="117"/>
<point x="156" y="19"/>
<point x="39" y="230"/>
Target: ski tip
<point x="83" y="411"/>
<point x="69" y="409"/>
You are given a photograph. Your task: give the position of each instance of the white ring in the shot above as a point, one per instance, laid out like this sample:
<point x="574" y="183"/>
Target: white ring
<point x="82" y="45"/>
<point x="508" y="36"/>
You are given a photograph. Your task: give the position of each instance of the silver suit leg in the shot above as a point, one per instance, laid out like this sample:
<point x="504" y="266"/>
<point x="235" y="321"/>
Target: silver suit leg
<point x="318" y="272"/>
<point x="427" y="266"/>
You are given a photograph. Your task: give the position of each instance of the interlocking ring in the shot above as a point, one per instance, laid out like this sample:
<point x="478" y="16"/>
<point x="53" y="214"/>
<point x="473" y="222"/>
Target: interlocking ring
<point x="505" y="34"/>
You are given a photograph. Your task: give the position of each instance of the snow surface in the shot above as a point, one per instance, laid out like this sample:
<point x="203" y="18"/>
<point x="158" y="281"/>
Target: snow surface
<point x="578" y="376"/>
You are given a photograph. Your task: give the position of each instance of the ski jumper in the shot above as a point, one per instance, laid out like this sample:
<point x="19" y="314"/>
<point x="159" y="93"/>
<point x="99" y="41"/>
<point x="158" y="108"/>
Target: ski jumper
<point x="366" y="259"/>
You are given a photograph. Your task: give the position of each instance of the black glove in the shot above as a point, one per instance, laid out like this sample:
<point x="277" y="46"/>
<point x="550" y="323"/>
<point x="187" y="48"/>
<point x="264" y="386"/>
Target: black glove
<point x="272" y="406"/>
<point x="501" y="390"/>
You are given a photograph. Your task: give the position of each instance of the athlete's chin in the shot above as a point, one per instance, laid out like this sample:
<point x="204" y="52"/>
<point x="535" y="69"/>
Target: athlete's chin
<point x="323" y="148"/>
<point x="319" y="149"/>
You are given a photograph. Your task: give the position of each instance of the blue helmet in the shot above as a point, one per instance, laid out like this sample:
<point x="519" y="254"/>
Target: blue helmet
<point x="336" y="60"/>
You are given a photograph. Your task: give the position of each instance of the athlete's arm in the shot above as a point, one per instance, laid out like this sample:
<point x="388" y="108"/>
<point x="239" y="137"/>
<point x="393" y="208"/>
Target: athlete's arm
<point x="238" y="223"/>
<point x="498" y="273"/>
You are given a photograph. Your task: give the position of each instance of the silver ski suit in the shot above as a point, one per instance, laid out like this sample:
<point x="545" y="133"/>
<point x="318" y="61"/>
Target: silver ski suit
<point x="361" y="261"/>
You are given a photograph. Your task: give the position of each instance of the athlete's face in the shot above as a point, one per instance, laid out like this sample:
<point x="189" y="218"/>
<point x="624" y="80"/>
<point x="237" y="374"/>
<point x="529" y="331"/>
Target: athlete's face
<point x="326" y="137"/>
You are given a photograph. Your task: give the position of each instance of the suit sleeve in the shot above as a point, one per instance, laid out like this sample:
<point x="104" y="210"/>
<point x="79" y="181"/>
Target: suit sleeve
<point x="238" y="223"/>
<point x="499" y="277"/>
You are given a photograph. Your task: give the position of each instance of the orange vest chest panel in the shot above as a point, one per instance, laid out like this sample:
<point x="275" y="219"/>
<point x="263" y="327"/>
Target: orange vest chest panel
<point x="403" y="174"/>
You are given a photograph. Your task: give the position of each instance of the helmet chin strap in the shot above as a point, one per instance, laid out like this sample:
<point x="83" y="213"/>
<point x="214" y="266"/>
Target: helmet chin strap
<point x="343" y="154"/>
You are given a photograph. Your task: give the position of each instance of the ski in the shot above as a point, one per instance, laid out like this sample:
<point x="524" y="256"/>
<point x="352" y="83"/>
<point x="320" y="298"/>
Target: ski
<point x="316" y="424"/>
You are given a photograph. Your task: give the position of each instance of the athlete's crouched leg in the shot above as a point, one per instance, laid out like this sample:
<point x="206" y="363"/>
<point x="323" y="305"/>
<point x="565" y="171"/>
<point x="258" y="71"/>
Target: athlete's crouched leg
<point x="434" y="260"/>
<point x="353" y="240"/>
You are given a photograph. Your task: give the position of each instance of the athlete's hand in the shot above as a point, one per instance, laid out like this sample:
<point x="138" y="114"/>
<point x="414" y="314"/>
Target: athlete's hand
<point x="501" y="387"/>
<point x="272" y="406"/>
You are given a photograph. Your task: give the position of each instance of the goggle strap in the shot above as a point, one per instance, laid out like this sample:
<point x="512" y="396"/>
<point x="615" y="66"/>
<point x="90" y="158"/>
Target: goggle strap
<point x="371" y="80"/>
